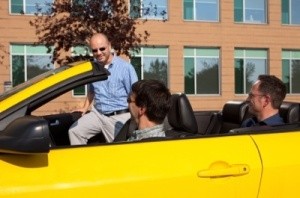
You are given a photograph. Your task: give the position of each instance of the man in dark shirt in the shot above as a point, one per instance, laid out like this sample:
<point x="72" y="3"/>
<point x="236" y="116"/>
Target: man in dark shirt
<point x="265" y="98"/>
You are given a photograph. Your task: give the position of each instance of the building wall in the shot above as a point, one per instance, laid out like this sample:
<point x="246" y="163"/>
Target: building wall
<point x="176" y="34"/>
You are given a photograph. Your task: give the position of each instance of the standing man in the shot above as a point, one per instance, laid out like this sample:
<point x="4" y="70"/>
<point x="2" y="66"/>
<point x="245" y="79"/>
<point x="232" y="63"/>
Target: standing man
<point x="149" y="103"/>
<point x="110" y="109"/>
<point x="265" y="98"/>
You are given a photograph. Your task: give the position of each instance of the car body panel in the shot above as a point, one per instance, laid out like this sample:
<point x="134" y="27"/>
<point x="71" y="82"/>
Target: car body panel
<point x="138" y="169"/>
<point x="281" y="163"/>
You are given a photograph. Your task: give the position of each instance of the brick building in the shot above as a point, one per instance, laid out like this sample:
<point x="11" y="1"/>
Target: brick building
<point x="211" y="50"/>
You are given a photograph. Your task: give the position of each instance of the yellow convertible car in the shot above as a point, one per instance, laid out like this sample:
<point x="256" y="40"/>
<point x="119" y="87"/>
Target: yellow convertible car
<point x="205" y="154"/>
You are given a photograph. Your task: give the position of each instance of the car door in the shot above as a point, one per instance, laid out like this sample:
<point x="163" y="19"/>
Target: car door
<point x="281" y="163"/>
<point x="226" y="166"/>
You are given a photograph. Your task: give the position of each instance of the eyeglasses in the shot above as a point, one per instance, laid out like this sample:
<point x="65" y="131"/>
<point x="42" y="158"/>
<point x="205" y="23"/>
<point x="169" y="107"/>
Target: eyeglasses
<point x="129" y="100"/>
<point x="252" y="95"/>
<point x="101" y="49"/>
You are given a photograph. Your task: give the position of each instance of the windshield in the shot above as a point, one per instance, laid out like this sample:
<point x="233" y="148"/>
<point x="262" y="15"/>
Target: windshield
<point x="34" y="80"/>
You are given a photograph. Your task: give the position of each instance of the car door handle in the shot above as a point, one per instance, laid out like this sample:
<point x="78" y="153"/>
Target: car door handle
<point x="223" y="169"/>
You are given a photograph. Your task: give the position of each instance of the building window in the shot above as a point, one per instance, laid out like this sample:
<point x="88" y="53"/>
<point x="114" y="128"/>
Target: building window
<point x="29" y="61"/>
<point x="151" y="63"/>
<point x="290" y="12"/>
<point x="291" y="70"/>
<point x="250" y="11"/>
<point x="201" y="71"/>
<point x="249" y="64"/>
<point x="201" y="10"/>
<point x="29" y="6"/>
<point x="149" y="9"/>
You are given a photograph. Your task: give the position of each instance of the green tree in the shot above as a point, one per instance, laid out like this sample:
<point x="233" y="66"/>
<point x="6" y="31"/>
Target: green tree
<point x="69" y="24"/>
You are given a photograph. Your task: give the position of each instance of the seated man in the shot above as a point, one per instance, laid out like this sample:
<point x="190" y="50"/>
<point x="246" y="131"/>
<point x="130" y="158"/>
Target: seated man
<point x="265" y="98"/>
<point x="149" y="103"/>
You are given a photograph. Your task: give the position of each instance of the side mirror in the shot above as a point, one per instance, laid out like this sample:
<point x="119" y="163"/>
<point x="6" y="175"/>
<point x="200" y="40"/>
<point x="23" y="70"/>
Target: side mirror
<point x="25" y="135"/>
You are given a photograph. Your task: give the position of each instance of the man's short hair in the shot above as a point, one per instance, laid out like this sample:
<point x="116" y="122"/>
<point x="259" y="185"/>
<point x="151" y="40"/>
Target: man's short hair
<point x="154" y="96"/>
<point x="273" y="86"/>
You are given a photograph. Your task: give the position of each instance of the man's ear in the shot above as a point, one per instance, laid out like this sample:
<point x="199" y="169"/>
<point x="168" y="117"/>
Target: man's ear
<point x="142" y="110"/>
<point x="268" y="100"/>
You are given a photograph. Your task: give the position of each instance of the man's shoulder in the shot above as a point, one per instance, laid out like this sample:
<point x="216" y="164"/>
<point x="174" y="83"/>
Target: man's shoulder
<point x="118" y="60"/>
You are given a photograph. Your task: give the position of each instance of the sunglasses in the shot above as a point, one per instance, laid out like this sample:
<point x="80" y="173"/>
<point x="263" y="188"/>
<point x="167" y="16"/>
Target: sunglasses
<point x="101" y="49"/>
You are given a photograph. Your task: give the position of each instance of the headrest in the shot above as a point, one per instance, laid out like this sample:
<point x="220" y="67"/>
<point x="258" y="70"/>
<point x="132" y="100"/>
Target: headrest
<point x="289" y="111"/>
<point x="234" y="111"/>
<point x="181" y="115"/>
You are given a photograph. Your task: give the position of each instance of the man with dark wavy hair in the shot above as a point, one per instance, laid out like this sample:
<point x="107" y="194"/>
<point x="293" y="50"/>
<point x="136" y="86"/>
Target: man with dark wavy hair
<point x="265" y="98"/>
<point x="149" y="103"/>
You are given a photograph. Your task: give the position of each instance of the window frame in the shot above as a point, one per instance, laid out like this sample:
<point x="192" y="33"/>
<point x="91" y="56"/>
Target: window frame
<point x="245" y="56"/>
<point x="195" y="57"/>
<point x="25" y="52"/>
<point x="141" y="54"/>
<point x="141" y="15"/>
<point x="25" y="5"/>
<point x="243" y="12"/>
<point x="287" y="13"/>
<point x="289" y="55"/>
<point x="194" y="12"/>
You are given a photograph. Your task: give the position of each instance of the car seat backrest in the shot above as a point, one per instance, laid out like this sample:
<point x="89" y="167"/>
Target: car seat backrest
<point x="231" y="116"/>
<point x="180" y="120"/>
<point x="289" y="111"/>
<point x="181" y="117"/>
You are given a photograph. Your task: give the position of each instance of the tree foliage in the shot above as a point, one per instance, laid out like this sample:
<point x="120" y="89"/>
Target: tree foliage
<point x="68" y="24"/>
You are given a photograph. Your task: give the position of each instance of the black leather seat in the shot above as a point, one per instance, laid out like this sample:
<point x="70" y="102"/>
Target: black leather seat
<point x="231" y="116"/>
<point x="180" y="120"/>
<point x="181" y="117"/>
<point x="289" y="111"/>
<point x="235" y="112"/>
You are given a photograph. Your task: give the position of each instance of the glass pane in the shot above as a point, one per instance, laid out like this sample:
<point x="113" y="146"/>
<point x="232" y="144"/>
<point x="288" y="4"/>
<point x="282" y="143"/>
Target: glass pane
<point x="18" y="72"/>
<point x="207" y="10"/>
<point x="285" y="12"/>
<point x="285" y="54"/>
<point x="295" y="15"/>
<point x="81" y="50"/>
<point x="137" y="64"/>
<point x="16" y="6"/>
<point x="17" y="49"/>
<point x="239" y="76"/>
<point x="207" y="76"/>
<point x="79" y="91"/>
<point x="40" y="49"/>
<point x="255" y="11"/>
<point x="156" y="51"/>
<point x="256" y="53"/>
<point x="295" y="76"/>
<point x="188" y="12"/>
<point x="188" y="51"/>
<point x="135" y="6"/>
<point x="189" y="76"/>
<point x="207" y="52"/>
<point x="37" y="65"/>
<point x="238" y="10"/>
<point x="286" y="74"/>
<point x="154" y="9"/>
<point x="156" y="68"/>
<point x="32" y="6"/>
<point x="254" y="67"/>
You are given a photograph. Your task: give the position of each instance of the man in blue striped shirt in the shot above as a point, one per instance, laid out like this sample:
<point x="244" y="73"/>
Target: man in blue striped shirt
<point x="110" y="109"/>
